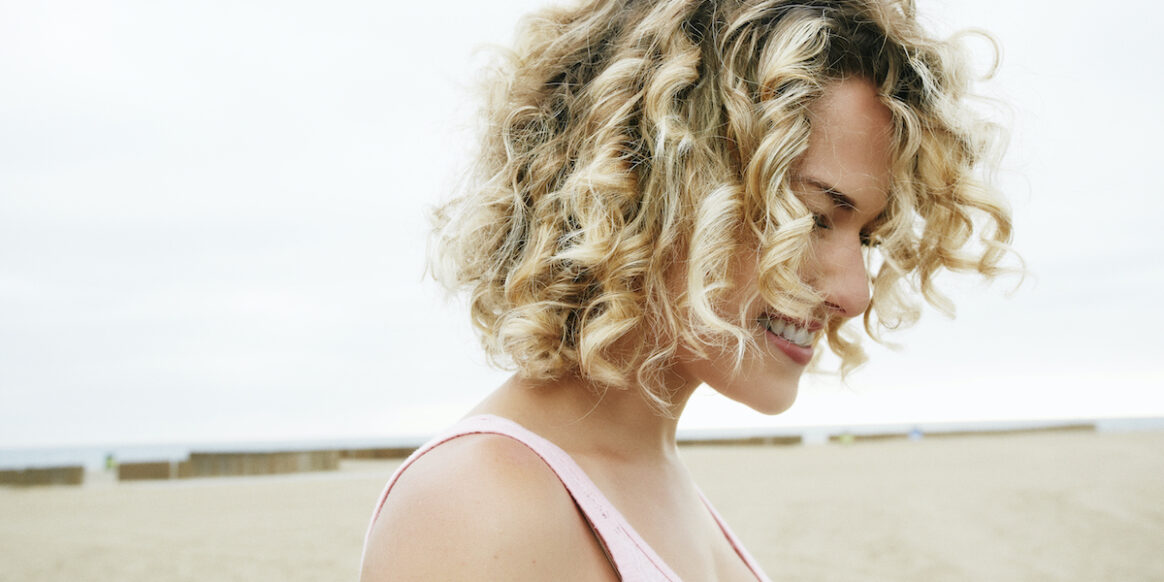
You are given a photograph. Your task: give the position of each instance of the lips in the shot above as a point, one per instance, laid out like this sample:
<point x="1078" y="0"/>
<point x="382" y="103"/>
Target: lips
<point x="794" y="338"/>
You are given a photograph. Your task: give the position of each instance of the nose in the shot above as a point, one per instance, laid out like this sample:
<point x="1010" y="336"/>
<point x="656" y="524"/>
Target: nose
<point x="843" y="278"/>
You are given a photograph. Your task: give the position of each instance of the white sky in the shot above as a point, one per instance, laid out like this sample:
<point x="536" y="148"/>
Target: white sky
<point x="212" y="220"/>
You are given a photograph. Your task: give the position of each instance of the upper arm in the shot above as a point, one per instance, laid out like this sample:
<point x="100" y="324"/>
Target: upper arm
<point x="480" y="508"/>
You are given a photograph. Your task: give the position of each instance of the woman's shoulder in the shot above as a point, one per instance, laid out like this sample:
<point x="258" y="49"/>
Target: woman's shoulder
<point x="481" y="507"/>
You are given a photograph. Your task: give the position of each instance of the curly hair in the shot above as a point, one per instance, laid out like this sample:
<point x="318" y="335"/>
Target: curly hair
<point x="629" y="140"/>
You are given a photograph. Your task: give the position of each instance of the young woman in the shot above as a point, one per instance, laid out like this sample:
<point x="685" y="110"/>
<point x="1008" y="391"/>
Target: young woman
<point x="674" y="193"/>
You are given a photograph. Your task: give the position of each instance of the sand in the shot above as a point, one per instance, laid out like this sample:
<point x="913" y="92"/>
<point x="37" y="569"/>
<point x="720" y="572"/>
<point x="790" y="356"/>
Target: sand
<point x="1048" y="506"/>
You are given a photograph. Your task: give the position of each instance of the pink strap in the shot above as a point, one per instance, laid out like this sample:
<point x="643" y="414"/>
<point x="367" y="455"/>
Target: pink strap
<point x="633" y="558"/>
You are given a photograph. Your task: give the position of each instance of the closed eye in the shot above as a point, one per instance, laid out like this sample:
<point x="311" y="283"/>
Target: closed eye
<point x="841" y="201"/>
<point x="869" y="234"/>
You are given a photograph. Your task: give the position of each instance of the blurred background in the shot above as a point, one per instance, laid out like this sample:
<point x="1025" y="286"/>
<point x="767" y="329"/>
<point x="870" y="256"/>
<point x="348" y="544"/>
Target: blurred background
<point x="213" y="219"/>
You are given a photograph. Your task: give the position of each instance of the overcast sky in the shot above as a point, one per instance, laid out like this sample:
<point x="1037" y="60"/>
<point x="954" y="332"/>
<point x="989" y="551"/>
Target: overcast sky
<point x="212" y="222"/>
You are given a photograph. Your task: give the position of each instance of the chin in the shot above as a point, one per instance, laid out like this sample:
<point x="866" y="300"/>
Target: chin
<point x="774" y="407"/>
<point x="769" y="401"/>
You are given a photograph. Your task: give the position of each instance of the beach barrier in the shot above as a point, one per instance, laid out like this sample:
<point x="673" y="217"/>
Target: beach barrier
<point x="377" y="453"/>
<point x="916" y="433"/>
<point x="782" y="440"/>
<point x="253" y="463"/>
<point x="223" y="464"/>
<point x="1054" y="428"/>
<point x="70" y="475"/>
<point x="146" y="471"/>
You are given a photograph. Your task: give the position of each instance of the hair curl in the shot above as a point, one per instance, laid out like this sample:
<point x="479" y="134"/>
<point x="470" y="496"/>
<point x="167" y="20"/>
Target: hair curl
<point x="625" y="138"/>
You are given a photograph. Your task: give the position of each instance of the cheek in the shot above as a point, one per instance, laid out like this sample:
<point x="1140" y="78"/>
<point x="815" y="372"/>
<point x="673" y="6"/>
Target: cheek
<point x="718" y="371"/>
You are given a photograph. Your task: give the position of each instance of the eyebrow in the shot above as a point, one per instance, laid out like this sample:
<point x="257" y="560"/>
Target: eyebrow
<point x="839" y="198"/>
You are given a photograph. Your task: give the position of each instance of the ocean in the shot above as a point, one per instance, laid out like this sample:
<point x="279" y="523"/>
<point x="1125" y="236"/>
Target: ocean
<point x="95" y="457"/>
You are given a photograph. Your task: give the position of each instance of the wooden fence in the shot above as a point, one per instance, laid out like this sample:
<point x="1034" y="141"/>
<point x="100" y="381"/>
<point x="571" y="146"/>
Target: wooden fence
<point x="70" y="475"/>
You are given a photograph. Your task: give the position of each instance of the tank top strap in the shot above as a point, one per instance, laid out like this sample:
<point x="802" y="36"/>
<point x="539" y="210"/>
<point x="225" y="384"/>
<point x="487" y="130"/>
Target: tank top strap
<point x="632" y="558"/>
<point x="735" y="542"/>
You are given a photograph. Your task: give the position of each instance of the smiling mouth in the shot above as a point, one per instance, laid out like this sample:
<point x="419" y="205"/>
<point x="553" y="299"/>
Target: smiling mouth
<point x="802" y="334"/>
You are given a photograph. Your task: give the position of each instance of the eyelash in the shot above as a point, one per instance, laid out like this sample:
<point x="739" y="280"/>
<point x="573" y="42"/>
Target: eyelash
<point x="822" y="223"/>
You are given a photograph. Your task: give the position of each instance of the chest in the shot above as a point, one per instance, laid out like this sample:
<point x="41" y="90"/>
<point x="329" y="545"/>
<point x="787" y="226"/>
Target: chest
<point x="669" y="514"/>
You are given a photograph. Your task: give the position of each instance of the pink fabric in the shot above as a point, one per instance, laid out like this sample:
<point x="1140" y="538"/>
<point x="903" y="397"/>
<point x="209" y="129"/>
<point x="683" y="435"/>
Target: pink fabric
<point x="634" y="560"/>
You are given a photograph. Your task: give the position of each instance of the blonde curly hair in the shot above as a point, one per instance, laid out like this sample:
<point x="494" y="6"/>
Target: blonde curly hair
<point x="629" y="140"/>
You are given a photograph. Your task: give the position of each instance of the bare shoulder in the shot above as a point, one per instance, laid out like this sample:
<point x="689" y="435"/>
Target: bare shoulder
<point x="481" y="507"/>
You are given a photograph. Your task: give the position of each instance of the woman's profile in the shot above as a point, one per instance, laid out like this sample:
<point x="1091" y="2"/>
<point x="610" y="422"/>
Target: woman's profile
<point x="672" y="193"/>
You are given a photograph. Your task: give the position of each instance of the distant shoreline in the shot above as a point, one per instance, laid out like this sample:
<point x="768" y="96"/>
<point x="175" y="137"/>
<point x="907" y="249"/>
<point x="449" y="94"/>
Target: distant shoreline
<point x="93" y="457"/>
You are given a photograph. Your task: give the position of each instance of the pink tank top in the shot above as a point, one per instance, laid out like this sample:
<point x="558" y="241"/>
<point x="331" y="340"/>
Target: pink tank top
<point x="633" y="559"/>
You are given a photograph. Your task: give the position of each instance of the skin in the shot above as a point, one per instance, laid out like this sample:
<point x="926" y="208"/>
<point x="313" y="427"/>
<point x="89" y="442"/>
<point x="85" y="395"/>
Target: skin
<point x="522" y="525"/>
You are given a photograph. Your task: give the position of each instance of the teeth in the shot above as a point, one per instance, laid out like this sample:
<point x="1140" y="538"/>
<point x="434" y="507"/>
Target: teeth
<point x="789" y="331"/>
<point x="778" y="326"/>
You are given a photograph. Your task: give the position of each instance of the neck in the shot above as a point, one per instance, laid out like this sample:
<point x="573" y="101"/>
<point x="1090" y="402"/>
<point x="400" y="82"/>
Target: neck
<point x="585" y="419"/>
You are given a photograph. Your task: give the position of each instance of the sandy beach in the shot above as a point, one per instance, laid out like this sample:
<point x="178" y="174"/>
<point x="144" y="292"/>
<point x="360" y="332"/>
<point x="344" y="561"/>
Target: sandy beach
<point x="1040" y="506"/>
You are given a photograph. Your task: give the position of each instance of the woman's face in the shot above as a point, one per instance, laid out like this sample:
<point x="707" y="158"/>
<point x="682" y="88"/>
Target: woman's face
<point x="843" y="178"/>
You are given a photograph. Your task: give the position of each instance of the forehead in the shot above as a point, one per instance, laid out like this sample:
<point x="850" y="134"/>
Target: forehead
<point x="850" y="147"/>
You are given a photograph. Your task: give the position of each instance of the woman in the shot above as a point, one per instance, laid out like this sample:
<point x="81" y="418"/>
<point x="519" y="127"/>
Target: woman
<point x="675" y="193"/>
